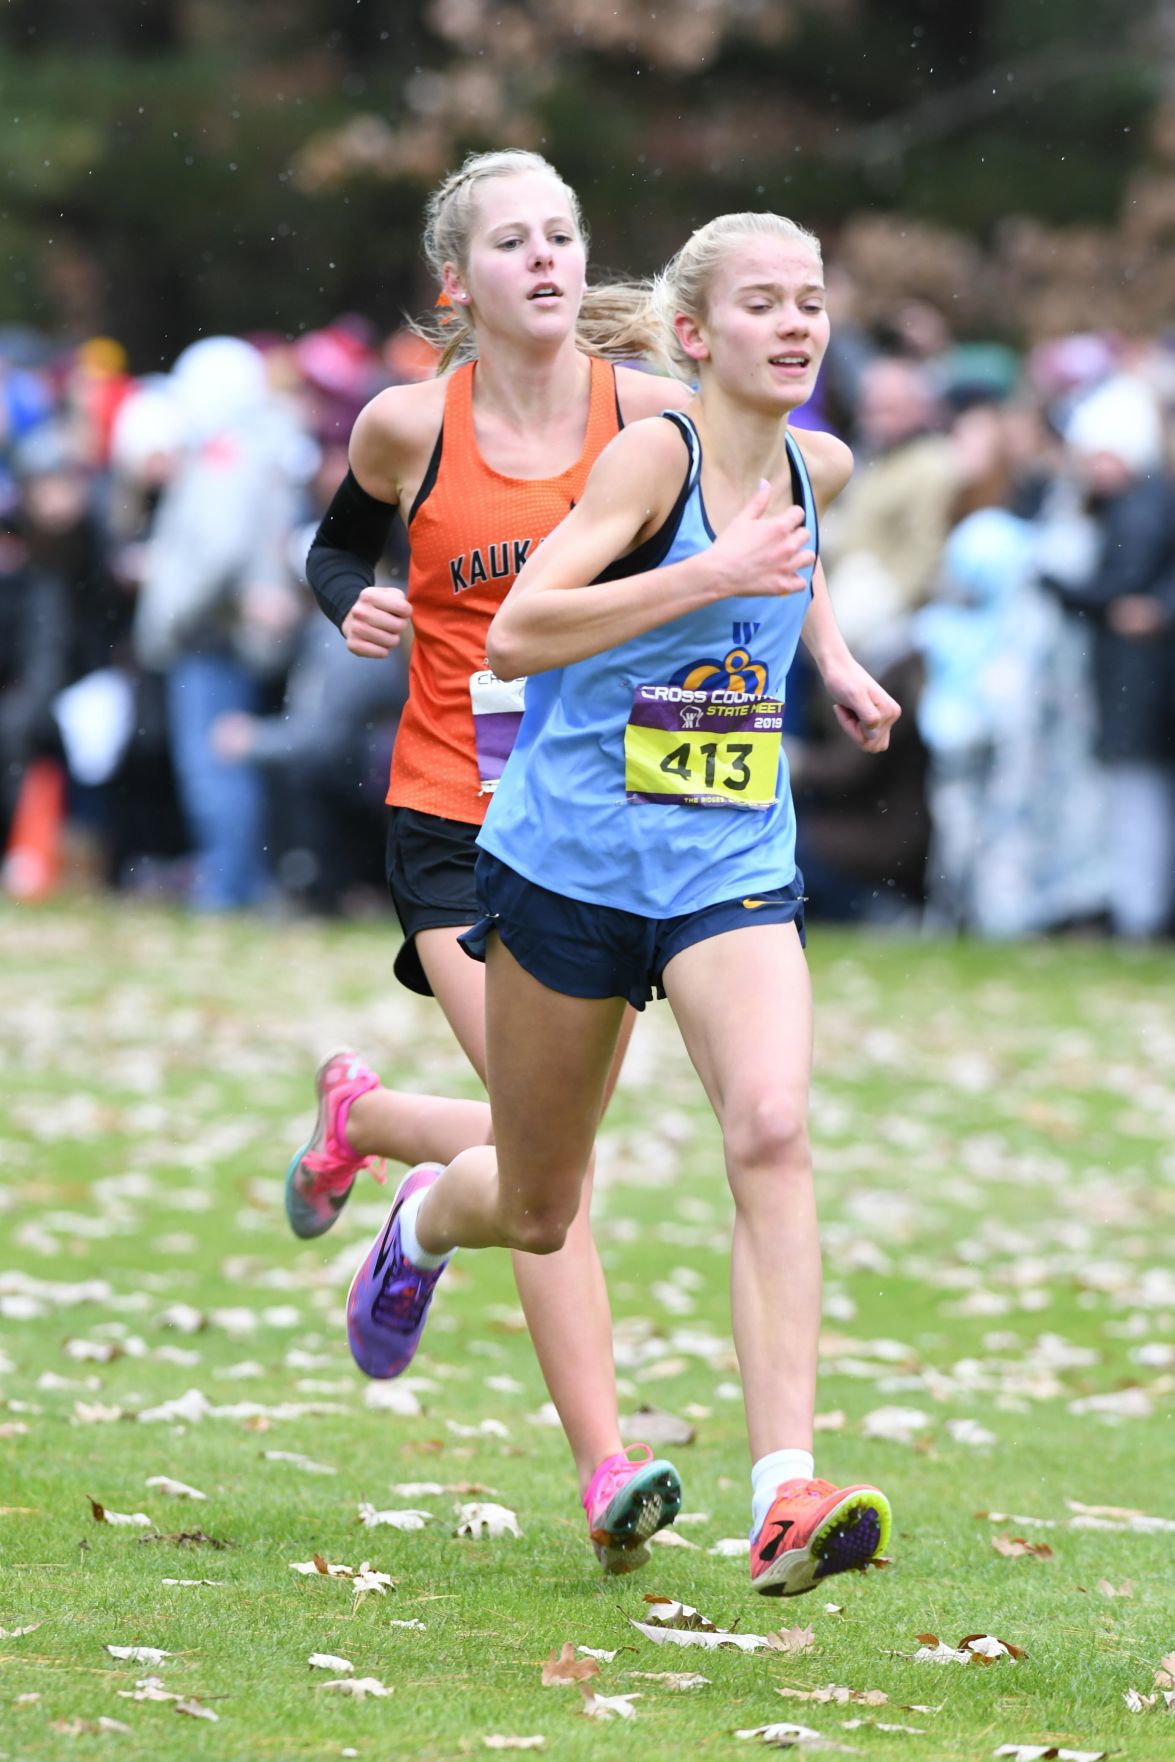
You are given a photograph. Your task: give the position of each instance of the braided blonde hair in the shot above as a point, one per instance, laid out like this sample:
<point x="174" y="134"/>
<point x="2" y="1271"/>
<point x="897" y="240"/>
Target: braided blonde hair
<point x="616" y="319"/>
<point x="684" y="284"/>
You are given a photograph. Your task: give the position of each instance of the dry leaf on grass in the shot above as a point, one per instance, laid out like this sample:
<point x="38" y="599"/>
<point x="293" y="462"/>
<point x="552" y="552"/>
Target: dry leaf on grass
<point x="567" y="1668"/>
<point x="493" y="1520"/>
<point x="596" y="1652"/>
<point x="137" y="1520"/>
<point x="372" y="1519"/>
<point x="327" y="1661"/>
<point x="896" y="1425"/>
<point x="139" y="1654"/>
<point x="1047" y="1753"/>
<point x="1165" y="1674"/>
<point x="1018" y="1548"/>
<point x="713" y="1641"/>
<point x="148" y="1688"/>
<point x="670" y="1539"/>
<point x="364" y="1573"/>
<point x="392" y="1398"/>
<point x="672" y="1679"/>
<point x="359" y="1687"/>
<point x="971" y="1433"/>
<point x="15" y="1633"/>
<point x="972" y="1649"/>
<point x="297" y="1460"/>
<point x="498" y="1742"/>
<point x="484" y="1428"/>
<point x="196" y="1710"/>
<point x="665" y="1612"/>
<point x="175" y="1489"/>
<point x="784" y="1736"/>
<point x="792" y="1639"/>
<point x="93" y="1351"/>
<point x="1043" y="1523"/>
<point x="190" y="1539"/>
<point x="653" y="1426"/>
<point x="421" y="1489"/>
<point x="76" y="1727"/>
<point x="836" y="1693"/>
<point x="1125" y="1589"/>
<point x="731" y="1547"/>
<point x="917" y="1731"/>
<point x="607" y="1706"/>
<point x="219" y="1582"/>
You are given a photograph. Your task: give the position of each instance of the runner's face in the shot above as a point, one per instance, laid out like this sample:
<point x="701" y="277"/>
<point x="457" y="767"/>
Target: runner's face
<point x="765" y="329"/>
<point x="526" y="268"/>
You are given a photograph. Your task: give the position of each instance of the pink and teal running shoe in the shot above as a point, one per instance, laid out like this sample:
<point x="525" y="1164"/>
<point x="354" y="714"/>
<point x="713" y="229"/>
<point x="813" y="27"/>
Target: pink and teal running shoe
<point x="389" y="1297"/>
<point x="626" y="1502"/>
<point x="322" y="1173"/>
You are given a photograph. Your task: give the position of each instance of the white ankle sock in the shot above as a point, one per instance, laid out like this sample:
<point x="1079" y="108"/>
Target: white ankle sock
<point x="419" y="1257"/>
<point x="770" y="1472"/>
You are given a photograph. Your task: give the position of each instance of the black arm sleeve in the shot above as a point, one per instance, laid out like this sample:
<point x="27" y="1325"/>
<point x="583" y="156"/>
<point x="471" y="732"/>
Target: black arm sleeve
<point x="347" y="546"/>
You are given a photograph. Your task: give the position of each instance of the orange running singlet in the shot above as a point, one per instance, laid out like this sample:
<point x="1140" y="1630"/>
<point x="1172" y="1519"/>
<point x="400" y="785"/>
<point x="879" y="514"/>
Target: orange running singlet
<point x="470" y="531"/>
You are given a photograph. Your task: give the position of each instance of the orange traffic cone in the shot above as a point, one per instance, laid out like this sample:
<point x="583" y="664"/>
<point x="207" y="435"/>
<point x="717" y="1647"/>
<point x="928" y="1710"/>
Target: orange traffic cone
<point x="32" y="862"/>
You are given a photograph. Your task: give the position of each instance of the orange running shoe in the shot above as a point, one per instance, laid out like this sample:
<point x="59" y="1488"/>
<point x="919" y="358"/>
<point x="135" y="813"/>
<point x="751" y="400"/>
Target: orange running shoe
<point x="814" y="1529"/>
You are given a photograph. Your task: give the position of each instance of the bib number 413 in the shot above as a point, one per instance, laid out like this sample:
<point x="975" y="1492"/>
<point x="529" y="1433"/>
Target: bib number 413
<point x="699" y="765"/>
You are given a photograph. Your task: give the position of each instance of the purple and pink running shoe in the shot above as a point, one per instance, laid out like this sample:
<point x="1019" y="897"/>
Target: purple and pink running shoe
<point x="322" y="1173"/>
<point x="626" y="1502"/>
<point x="389" y="1297"/>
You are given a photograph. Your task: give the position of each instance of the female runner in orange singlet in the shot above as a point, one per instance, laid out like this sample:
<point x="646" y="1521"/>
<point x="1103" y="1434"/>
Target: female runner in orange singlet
<point x="482" y="463"/>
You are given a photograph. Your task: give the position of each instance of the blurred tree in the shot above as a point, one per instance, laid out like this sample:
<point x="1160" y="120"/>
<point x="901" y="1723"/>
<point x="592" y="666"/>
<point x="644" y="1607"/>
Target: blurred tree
<point x="187" y="165"/>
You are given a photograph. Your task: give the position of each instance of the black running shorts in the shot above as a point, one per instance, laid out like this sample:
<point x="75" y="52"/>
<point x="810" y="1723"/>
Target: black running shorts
<point x="430" y="864"/>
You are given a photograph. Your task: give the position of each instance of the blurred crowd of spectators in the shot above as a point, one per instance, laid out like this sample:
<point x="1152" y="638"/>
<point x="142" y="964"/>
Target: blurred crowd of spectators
<point x="1003" y="559"/>
<point x="169" y="691"/>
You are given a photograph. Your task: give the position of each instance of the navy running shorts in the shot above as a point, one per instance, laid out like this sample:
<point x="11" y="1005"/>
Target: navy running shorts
<point x="430" y="867"/>
<point x="587" y="950"/>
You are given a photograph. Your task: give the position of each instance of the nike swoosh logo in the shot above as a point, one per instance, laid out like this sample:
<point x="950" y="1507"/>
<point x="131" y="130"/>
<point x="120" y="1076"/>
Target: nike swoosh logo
<point x="385" y="1246"/>
<point x="770" y="1549"/>
<point x="752" y="903"/>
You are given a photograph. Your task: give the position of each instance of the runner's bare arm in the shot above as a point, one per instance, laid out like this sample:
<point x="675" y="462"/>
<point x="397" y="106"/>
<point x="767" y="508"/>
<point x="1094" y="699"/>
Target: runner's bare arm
<point x="864" y="709"/>
<point x="557" y="612"/>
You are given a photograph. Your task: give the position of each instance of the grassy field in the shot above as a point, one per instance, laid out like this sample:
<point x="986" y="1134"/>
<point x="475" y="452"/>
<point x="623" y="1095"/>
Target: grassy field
<point x="995" y="1138"/>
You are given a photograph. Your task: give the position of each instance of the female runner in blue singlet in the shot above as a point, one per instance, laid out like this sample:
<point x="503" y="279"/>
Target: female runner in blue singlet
<point x="643" y="839"/>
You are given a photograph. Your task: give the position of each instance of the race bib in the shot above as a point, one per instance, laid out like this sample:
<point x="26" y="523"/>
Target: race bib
<point x="497" y="717"/>
<point x="702" y="749"/>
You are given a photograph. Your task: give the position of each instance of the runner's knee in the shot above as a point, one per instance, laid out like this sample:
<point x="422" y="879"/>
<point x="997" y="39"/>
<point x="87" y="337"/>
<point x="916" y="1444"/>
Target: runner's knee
<point x="537" y="1229"/>
<point x="769" y="1136"/>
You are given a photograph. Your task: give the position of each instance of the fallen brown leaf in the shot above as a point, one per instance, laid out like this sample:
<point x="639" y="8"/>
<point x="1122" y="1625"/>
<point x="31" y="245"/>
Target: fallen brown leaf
<point x="1018" y="1548"/>
<point x="834" y="1692"/>
<point x="792" y="1639"/>
<point x="567" y="1667"/>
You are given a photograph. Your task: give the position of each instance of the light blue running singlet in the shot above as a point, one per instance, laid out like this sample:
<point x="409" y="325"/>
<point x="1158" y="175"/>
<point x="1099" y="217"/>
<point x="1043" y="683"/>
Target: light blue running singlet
<point x="652" y="777"/>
